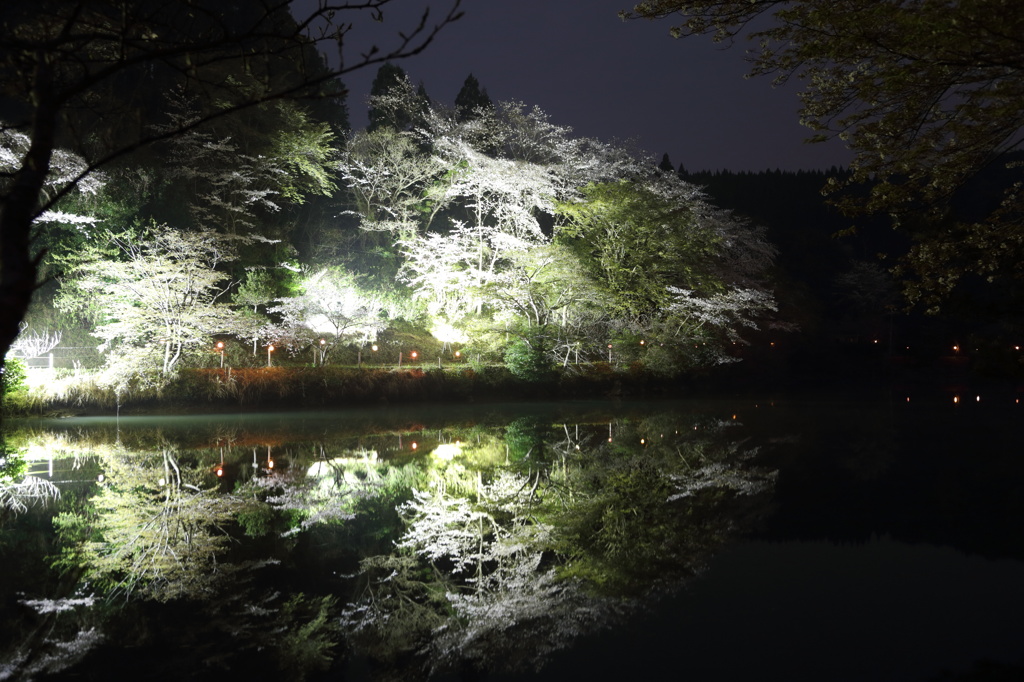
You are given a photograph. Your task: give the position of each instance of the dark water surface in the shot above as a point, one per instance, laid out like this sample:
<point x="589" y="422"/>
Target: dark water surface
<point x="815" y="538"/>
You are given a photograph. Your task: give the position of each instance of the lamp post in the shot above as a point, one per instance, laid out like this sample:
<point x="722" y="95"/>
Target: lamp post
<point x="270" y="349"/>
<point x="220" y="349"/>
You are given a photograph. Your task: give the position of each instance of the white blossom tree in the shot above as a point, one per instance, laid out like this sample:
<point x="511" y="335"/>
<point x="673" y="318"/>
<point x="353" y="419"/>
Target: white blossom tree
<point x="154" y="294"/>
<point x="331" y="304"/>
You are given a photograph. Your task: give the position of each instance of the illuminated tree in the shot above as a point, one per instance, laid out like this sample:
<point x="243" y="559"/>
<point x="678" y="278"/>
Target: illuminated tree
<point x="64" y="62"/>
<point x="331" y="303"/>
<point x="230" y="180"/>
<point x="154" y="294"/>
<point x="927" y="93"/>
<point x="387" y="176"/>
<point x="670" y="265"/>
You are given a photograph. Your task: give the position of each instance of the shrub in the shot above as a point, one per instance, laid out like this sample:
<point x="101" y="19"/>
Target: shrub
<point x="527" y="359"/>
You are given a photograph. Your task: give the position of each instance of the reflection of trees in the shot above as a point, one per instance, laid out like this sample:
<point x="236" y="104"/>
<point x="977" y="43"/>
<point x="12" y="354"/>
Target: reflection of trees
<point x="18" y="489"/>
<point x="515" y="564"/>
<point x="484" y="547"/>
<point x="151" y="529"/>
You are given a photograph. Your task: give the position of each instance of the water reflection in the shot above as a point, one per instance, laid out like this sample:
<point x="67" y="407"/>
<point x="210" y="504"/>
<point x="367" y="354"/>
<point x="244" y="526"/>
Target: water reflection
<point x="405" y="544"/>
<point x="425" y="546"/>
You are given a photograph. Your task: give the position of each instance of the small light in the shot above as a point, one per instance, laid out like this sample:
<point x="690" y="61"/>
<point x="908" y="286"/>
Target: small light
<point x="322" y="342"/>
<point x="414" y="354"/>
<point x="641" y="342"/>
<point x="100" y="478"/>
<point x="458" y="354"/>
<point x="162" y="482"/>
<point x="374" y="348"/>
<point x="270" y="348"/>
<point x="734" y="417"/>
<point x="270" y="464"/>
<point x="220" y="471"/>
<point x="643" y="441"/>
<point x="977" y="398"/>
<point x="414" y="445"/>
<point x="220" y="345"/>
<point x="956" y="399"/>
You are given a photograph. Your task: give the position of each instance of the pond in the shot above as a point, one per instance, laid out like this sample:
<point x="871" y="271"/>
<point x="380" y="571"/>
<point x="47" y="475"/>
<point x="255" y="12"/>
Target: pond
<point x="820" y="538"/>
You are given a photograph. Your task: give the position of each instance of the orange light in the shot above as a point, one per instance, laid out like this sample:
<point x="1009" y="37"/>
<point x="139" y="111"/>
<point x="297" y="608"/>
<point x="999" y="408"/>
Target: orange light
<point x="643" y="441"/>
<point x="270" y="464"/>
<point x="270" y="348"/>
<point x="956" y="399"/>
<point x="220" y="345"/>
<point x="220" y="471"/>
<point x="414" y="354"/>
<point x="641" y="342"/>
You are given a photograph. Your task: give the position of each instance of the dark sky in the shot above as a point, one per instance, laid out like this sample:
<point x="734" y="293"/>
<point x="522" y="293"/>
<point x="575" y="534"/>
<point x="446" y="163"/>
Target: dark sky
<point x="613" y="80"/>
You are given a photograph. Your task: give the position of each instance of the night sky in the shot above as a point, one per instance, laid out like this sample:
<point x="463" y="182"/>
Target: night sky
<point x="613" y="80"/>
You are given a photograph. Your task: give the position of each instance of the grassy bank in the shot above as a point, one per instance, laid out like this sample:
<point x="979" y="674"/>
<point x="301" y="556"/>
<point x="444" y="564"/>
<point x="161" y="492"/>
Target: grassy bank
<point x="53" y="392"/>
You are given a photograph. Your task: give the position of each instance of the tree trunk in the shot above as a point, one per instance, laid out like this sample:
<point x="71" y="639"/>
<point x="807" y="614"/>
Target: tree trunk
<point x="18" y="268"/>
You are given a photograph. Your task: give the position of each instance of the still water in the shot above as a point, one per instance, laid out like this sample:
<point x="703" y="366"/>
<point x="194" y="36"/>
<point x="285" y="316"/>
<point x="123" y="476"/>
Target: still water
<point x="819" y="539"/>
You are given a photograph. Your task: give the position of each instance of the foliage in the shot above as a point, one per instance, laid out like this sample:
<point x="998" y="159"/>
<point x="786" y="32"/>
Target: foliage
<point x="151" y="530"/>
<point x="927" y="93"/>
<point x="12" y="377"/>
<point x="235" y="57"/>
<point x="332" y="304"/>
<point x="154" y="293"/>
<point x="307" y="648"/>
<point x="528" y="359"/>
